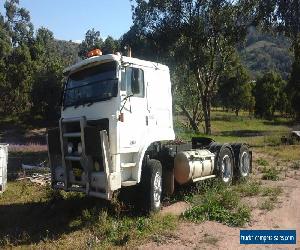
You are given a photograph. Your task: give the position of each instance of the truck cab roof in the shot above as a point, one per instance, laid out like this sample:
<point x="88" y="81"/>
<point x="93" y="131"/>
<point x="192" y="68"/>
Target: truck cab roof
<point x="112" y="57"/>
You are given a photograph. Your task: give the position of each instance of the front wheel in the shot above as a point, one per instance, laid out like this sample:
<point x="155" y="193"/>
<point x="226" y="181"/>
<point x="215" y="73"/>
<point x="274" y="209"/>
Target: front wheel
<point x="152" y="185"/>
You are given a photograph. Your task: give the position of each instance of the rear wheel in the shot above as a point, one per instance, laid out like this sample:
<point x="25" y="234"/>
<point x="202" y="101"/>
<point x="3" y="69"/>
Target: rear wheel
<point x="152" y="185"/>
<point x="225" y="165"/>
<point x="244" y="162"/>
<point x="242" y="159"/>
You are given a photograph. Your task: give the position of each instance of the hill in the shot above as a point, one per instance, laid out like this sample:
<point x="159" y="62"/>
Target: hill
<point x="68" y="51"/>
<point x="263" y="52"/>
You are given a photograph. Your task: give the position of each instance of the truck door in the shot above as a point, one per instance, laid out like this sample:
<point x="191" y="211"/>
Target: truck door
<point x="133" y="109"/>
<point x="159" y="106"/>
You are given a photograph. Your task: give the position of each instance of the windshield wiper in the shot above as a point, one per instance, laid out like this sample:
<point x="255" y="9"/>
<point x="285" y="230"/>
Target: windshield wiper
<point x="78" y="103"/>
<point x="90" y="103"/>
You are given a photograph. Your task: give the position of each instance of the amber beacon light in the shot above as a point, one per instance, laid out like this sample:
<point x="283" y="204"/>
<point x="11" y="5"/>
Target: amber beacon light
<point x="95" y="52"/>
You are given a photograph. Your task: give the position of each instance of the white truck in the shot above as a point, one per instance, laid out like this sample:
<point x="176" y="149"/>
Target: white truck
<point x="115" y="130"/>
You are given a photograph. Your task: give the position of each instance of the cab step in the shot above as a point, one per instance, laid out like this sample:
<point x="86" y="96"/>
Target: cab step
<point x="204" y="178"/>
<point x="129" y="183"/>
<point x="72" y="135"/>
<point x="73" y="158"/>
<point x="128" y="165"/>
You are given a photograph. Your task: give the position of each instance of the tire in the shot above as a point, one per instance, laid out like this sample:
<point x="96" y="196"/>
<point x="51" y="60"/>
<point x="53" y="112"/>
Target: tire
<point x="152" y="185"/>
<point x="242" y="159"/>
<point x="225" y="165"/>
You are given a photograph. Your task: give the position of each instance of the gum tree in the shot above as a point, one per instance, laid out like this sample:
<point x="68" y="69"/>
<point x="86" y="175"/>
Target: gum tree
<point x="199" y="34"/>
<point x="284" y="16"/>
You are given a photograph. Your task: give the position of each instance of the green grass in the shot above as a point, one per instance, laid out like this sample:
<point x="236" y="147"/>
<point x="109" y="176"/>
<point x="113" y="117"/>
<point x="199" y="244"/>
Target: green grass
<point x="262" y="162"/>
<point x="272" y="194"/>
<point x="269" y="203"/>
<point x="296" y="165"/>
<point x="226" y="127"/>
<point x="271" y="191"/>
<point x="121" y="231"/>
<point x="271" y="174"/>
<point x="221" y="204"/>
<point x="226" y="123"/>
<point x="249" y="188"/>
<point x="284" y="152"/>
<point x="36" y="216"/>
<point x="212" y="200"/>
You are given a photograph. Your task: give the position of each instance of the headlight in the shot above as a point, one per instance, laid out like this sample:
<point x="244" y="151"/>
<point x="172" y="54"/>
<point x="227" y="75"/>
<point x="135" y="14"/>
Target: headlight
<point x="70" y="147"/>
<point x="79" y="148"/>
<point x="97" y="166"/>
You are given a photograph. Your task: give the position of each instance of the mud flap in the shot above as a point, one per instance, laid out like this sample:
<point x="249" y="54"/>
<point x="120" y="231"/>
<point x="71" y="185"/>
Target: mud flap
<point x="113" y="178"/>
<point x="168" y="181"/>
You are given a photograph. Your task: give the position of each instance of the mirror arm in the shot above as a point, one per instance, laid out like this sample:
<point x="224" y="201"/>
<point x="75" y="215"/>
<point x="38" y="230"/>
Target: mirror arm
<point x="125" y="99"/>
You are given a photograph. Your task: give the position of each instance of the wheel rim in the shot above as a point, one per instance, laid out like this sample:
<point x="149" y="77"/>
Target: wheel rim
<point x="245" y="164"/>
<point x="157" y="189"/>
<point x="226" y="168"/>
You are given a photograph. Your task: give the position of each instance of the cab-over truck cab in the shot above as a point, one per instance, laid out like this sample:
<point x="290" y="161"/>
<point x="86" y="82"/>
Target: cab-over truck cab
<point x="114" y="107"/>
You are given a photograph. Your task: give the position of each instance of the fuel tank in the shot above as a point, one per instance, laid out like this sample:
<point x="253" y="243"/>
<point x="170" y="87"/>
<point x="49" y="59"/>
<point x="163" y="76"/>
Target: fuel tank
<point x="192" y="164"/>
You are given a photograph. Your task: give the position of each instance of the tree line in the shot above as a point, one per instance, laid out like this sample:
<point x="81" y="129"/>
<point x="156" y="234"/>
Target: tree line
<point x="32" y="63"/>
<point x="199" y="40"/>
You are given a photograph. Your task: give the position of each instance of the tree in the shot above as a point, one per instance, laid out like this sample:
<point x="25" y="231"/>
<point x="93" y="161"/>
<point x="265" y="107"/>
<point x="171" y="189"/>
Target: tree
<point x="294" y="88"/>
<point x="46" y="91"/>
<point x="92" y="41"/>
<point x="16" y="39"/>
<point x="5" y="50"/>
<point x="30" y="66"/>
<point x="284" y="16"/>
<point x="18" y="23"/>
<point x="236" y="90"/>
<point x="141" y="46"/>
<point x="208" y="32"/>
<point x="19" y="80"/>
<point x="110" y="46"/>
<point x="47" y="80"/>
<point x="268" y="92"/>
<point x="184" y="84"/>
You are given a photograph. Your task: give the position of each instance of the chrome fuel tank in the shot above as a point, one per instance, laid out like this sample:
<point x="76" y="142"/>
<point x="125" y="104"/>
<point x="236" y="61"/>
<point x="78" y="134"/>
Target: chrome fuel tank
<point x="192" y="164"/>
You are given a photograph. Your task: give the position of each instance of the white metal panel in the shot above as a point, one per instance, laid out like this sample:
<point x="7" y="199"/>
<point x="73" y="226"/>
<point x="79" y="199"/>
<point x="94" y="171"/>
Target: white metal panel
<point x="110" y="57"/>
<point x="3" y="166"/>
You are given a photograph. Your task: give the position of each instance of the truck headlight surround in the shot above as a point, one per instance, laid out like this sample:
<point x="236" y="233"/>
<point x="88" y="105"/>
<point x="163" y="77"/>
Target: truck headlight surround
<point x="97" y="166"/>
<point x="79" y="148"/>
<point x="70" y="147"/>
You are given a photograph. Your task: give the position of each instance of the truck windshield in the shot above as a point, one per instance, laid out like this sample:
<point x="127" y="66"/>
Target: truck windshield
<point x="90" y="85"/>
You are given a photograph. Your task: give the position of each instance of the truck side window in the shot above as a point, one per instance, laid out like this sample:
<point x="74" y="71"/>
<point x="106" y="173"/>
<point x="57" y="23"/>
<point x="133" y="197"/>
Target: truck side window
<point x="123" y="80"/>
<point x="135" y="82"/>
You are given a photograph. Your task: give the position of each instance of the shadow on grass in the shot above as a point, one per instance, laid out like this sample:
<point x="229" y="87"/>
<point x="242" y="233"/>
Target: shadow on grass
<point x="19" y="131"/>
<point x="33" y="222"/>
<point x="245" y="133"/>
<point x="249" y="133"/>
<point x="17" y="135"/>
<point x="16" y="159"/>
<point x="288" y="123"/>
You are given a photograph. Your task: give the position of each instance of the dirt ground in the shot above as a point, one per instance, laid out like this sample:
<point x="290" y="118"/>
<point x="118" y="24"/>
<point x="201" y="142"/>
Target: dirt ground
<point x="214" y="235"/>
